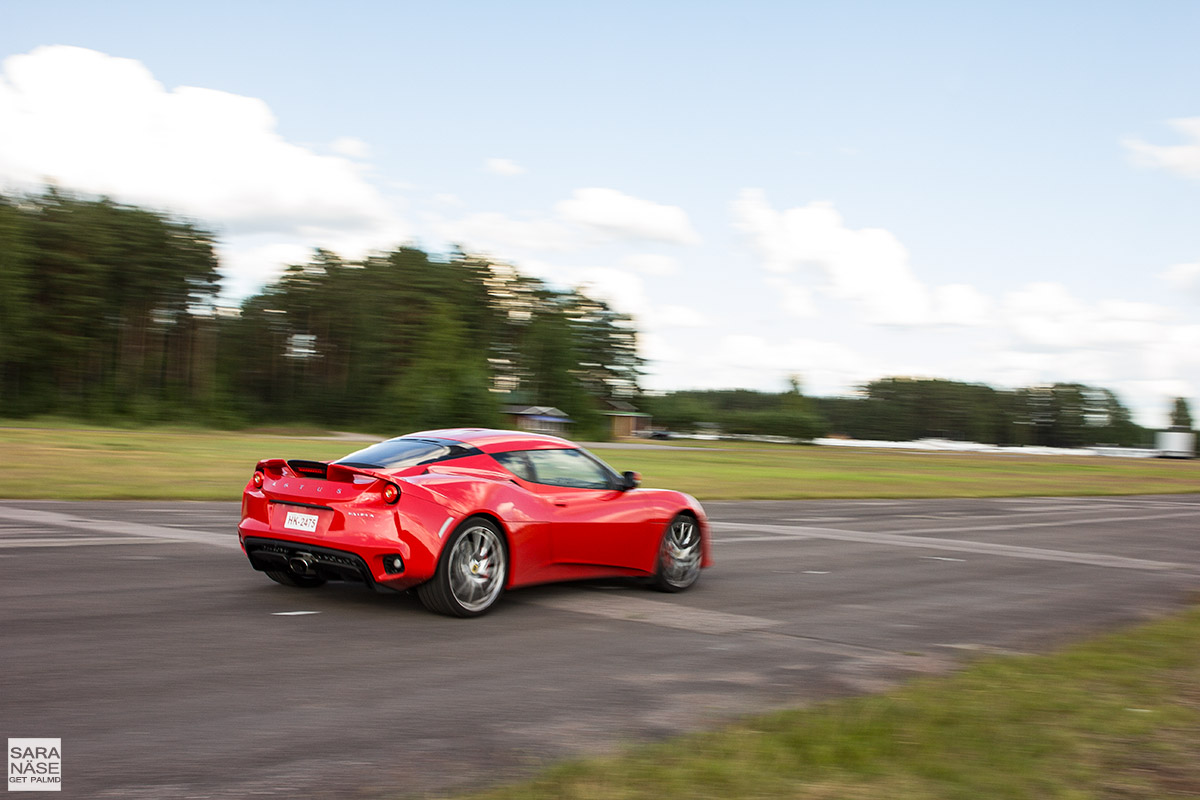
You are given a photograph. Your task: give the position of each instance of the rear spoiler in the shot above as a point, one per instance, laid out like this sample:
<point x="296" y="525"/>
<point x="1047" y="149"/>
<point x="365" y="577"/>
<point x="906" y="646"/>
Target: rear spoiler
<point x="299" y="468"/>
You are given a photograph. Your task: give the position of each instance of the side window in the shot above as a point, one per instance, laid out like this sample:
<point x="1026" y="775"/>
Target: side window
<point x="517" y="462"/>
<point x="568" y="468"/>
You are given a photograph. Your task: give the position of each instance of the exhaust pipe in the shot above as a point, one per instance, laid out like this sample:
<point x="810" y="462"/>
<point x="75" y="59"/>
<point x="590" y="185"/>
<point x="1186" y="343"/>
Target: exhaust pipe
<point x="301" y="564"/>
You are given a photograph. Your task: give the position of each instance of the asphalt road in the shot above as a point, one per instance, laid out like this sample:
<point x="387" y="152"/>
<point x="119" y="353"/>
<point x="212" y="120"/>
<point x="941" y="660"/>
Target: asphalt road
<point x="138" y="634"/>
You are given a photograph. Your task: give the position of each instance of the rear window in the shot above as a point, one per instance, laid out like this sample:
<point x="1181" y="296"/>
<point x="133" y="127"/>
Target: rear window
<point x="400" y="453"/>
<point x="517" y="462"/>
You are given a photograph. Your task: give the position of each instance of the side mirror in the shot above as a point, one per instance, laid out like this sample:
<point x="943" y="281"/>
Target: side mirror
<point x="630" y="480"/>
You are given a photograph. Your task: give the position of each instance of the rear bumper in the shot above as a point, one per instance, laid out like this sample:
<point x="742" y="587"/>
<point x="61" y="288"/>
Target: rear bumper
<point x="332" y="564"/>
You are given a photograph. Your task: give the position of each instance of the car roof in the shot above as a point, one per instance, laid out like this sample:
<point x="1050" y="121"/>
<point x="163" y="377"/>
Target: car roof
<point x="490" y="440"/>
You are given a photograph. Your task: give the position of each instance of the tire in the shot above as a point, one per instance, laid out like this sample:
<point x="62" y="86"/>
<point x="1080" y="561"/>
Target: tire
<point x="299" y="581"/>
<point x="471" y="573"/>
<point x="679" y="555"/>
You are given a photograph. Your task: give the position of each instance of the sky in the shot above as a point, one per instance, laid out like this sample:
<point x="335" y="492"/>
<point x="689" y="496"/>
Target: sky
<point x="996" y="192"/>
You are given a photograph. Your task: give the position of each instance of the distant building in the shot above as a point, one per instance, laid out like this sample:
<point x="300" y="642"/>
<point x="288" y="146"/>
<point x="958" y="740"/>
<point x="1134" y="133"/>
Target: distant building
<point x="625" y="419"/>
<point x="538" y="419"/>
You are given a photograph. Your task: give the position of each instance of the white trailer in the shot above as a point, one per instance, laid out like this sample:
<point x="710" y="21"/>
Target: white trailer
<point x="1176" y="444"/>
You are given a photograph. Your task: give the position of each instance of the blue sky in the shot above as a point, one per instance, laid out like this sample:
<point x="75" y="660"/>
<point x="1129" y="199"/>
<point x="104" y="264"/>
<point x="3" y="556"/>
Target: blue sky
<point x="999" y="192"/>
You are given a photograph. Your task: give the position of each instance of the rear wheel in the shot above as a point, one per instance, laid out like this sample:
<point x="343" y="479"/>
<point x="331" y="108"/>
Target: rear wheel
<point x="471" y="573"/>
<point x="292" y="579"/>
<point x="678" y="555"/>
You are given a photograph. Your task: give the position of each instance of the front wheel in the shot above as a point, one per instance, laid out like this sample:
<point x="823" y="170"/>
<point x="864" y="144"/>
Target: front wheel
<point x="471" y="573"/>
<point x="678" y="555"/>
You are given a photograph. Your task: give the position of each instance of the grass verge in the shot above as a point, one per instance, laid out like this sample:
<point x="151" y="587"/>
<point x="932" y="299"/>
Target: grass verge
<point x="781" y="472"/>
<point x="161" y="463"/>
<point x="191" y="464"/>
<point x="1117" y="717"/>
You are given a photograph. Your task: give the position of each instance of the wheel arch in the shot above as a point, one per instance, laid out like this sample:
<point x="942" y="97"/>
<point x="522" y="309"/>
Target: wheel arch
<point x="701" y="520"/>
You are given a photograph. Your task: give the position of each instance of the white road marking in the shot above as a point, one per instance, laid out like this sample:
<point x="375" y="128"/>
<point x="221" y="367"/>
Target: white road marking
<point x="816" y="572"/>
<point x="784" y="533"/>
<point x="1055" y="524"/>
<point x="1112" y="501"/>
<point x="942" y="558"/>
<point x="83" y="541"/>
<point x="1146" y="502"/>
<point x="652" y="612"/>
<point x="20" y="530"/>
<point x="1059" y="509"/>
<point x="55" y="520"/>
<point x="1036" y="499"/>
<point x="292" y="613"/>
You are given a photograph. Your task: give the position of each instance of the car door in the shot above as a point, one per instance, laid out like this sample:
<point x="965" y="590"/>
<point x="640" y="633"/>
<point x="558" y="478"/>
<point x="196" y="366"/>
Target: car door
<point x="591" y="520"/>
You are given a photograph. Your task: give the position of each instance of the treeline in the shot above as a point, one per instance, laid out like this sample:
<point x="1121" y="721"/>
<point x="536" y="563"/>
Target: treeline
<point x="738" y="411"/>
<point x="96" y="308"/>
<point x="906" y="409"/>
<point x="1059" y="415"/>
<point x="109" y="311"/>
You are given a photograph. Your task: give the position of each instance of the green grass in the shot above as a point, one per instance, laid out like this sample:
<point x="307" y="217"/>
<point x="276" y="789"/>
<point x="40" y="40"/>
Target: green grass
<point x="47" y="459"/>
<point x="162" y="463"/>
<point x="1118" y="717"/>
<point x="780" y="472"/>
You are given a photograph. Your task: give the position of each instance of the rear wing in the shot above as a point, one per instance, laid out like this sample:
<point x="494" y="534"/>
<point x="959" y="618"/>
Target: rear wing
<point x="299" y="468"/>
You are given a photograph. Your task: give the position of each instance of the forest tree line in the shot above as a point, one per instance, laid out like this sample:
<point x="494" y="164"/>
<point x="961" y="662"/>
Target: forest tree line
<point x="907" y="409"/>
<point x="109" y="312"/>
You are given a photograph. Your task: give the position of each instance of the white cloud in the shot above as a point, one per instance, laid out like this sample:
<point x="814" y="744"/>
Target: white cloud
<point x="622" y="290"/>
<point x="589" y="217"/>
<point x="824" y="367"/>
<point x="659" y="349"/>
<point x="623" y="216"/>
<point x="1017" y="367"/>
<point x="1181" y="352"/>
<point x="1137" y="349"/>
<point x="796" y="300"/>
<point x="652" y="264"/>
<point x="503" y="166"/>
<point x="673" y="316"/>
<point x="1185" y="277"/>
<point x="626" y="292"/>
<point x="1047" y="316"/>
<point x="500" y="234"/>
<point x="102" y="124"/>
<point x="960" y="304"/>
<point x="1182" y="159"/>
<point x="867" y="266"/>
<point x="253" y="262"/>
<point x="351" y="147"/>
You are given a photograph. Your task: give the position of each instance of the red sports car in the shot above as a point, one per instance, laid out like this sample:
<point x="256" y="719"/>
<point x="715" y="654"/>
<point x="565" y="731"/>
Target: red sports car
<point x="461" y="515"/>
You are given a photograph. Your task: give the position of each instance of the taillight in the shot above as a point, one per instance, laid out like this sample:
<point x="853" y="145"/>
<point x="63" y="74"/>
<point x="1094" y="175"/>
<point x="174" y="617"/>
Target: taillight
<point x="258" y="480"/>
<point x="391" y="493"/>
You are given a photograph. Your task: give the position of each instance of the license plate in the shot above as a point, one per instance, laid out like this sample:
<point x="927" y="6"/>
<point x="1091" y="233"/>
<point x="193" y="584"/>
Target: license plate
<point x="301" y="522"/>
